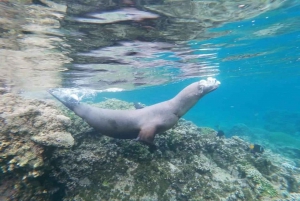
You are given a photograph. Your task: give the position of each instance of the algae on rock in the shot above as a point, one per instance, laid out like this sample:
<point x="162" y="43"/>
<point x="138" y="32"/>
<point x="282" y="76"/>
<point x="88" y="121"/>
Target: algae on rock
<point x="191" y="163"/>
<point x="21" y="159"/>
<point x="56" y="139"/>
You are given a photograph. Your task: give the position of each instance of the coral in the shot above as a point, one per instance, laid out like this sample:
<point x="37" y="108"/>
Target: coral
<point x="21" y="159"/>
<point x="56" y="139"/>
<point x="290" y="167"/>
<point x="258" y="181"/>
<point x="115" y="104"/>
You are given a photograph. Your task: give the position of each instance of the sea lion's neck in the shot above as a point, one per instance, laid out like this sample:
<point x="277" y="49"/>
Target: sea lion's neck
<point x="185" y="99"/>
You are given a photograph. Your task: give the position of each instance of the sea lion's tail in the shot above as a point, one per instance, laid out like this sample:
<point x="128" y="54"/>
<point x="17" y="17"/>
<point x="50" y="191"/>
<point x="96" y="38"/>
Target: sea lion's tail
<point x="69" y="101"/>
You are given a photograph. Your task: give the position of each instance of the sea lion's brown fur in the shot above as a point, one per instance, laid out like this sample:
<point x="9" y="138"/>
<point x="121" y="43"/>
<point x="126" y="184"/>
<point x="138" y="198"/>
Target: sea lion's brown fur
<point x="144" y="123"/>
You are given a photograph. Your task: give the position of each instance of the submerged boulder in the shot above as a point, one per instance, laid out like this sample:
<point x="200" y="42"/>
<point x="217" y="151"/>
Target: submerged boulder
<point x="56" y="139"/>
<point x="22" y="160"/>
<point x="191" y="163"/>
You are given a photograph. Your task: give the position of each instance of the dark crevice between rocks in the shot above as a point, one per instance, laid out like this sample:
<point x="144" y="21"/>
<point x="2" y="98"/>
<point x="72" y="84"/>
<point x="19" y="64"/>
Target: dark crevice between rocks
<point x="55" y="189"/>
<point x="38" y="2"/>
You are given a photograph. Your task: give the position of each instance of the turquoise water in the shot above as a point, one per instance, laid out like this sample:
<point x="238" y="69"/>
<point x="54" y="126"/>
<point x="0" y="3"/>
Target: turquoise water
<point x="152" y="53"/>
<point x="258" y="61"/>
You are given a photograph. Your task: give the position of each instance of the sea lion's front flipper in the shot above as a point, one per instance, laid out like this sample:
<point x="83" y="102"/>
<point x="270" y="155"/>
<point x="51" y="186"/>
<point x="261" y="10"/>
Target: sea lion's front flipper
<point x="146" y="136"/>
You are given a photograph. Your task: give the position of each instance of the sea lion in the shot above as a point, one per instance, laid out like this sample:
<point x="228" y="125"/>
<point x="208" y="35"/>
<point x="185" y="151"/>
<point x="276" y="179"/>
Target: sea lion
<point x="142" y="124"/>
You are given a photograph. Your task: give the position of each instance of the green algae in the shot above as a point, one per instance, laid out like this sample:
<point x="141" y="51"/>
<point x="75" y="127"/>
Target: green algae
<point x="263" y="185"/>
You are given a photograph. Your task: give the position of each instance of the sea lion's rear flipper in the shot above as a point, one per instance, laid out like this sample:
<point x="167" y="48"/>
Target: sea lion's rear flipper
<point x="69" y="101"/>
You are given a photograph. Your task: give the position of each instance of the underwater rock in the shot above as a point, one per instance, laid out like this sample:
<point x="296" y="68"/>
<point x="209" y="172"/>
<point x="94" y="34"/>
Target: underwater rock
<point x="3" y="90"/>
<point x="191" y="163"/>
<point x="279" y="142"/>
<point x="290" y="151"/>
<point x="21" y="159"/>
<point x="115" y="104"/>
<point x="258" y="181"/>
<point x="56" y="139"/>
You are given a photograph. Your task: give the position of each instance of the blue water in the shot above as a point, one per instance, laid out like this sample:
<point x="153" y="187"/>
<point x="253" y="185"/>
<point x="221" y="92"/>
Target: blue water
<point x="259" y="62"/>
<point x="256" y="60"/>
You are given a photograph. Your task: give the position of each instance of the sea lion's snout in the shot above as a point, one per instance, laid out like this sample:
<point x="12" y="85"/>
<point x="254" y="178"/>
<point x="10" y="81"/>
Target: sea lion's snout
<point x="208" y="85"/>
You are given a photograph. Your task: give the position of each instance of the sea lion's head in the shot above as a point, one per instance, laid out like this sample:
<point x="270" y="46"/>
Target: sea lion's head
<point x="208" y="85"/>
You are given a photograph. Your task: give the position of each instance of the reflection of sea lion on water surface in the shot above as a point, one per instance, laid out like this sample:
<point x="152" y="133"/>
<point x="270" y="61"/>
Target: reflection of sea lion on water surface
<point x="142" y="124"/>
